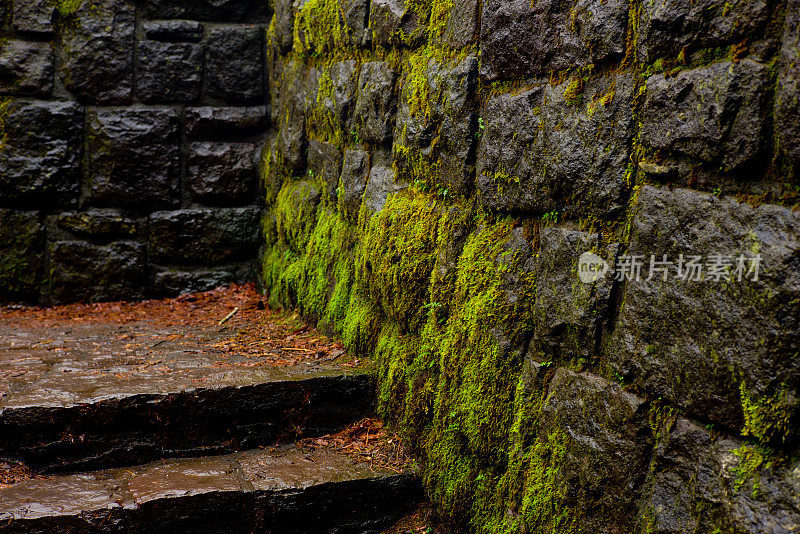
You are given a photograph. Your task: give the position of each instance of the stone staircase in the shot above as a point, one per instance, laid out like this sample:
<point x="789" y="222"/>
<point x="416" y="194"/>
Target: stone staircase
<point x="143" y="427"/>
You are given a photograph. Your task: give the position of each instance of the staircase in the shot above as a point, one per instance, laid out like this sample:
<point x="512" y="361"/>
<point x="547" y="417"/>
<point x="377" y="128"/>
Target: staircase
<point x="146" y="422"/>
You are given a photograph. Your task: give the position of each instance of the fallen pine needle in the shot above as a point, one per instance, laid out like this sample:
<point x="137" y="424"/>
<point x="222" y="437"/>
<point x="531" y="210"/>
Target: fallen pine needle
<point x="231" y="314"/>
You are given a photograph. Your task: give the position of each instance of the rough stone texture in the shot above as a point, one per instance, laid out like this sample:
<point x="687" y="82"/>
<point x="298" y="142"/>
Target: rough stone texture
<point x="356" y="17"/>
<point x="695" y="343"/>
<point x="393" y="24"/>
<point x="283" y="19"/>
<point x="568" y="313"/>
<point x="463" y="26"/>
<point x="26" y="68"/>
<point x="234" y="64"/>
<point x="35" y="16"/>
<point x="173" y="282"/>
<point x="203" y="236"/>
<point x="787" y="99"/>
<point x="606" y="453"/>
<point x="269" y="175"/>
<point x="295" y="215"/>
<point x="169" y="72"/>
<point x="173" y="30"/>
<point x="292" y="140"/>
<point x="221" y="173"/>
<point x="80" y="270"/>
<point x="21" y="254"/>
<point x="696" y="484"/>
<point x="41" y="158"/>
<point x="211" y="10"/>
<point x="521" y="38"/>
<point x="355" y="173"/>
<point x="97" y="52"/>
<point x="449" y="123"/>
<point x="339" y="102"/>
<point x="375" y="107"/>
<point x="730" y="130"/>
<point x="98" y="223"/>
<point x="212" y="122"/>
<point x="325" y="163"/>
<point x="287" y="490"/>
<point x="667" y="26"/>
<point x="134" y="157"/>
<point x="382" y="182"/>
<point x="541" y="151"/>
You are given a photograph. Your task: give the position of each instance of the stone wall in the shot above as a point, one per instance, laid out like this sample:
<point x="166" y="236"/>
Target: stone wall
<point x="436" y="169"/>
<point x="129" y="140"/>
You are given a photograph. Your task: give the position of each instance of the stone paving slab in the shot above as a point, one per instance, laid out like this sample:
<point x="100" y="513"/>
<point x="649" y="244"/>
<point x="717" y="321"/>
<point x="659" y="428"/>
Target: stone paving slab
<point x="87" y="389"/>
<point x="286" y="489"/>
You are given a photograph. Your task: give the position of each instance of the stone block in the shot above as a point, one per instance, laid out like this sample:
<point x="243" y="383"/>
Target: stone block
<point x="33" y="16"/>
<point x="520" y="38"/>
<point x="26" y="69"/>
<point x="225" y="122"/>
<point x="98" y="223"/>
<point x="209" y="10"/>
<point x="134" y="157"/>
<point x="376" y="104"/>
<point x="97" y="52"/>
<point x="222" y="173"/>
<point x="41" y="159"/>
<point x="355" y="173"/>
<point x="393" y="24"/>
<point x="169" y="72"/>
<point x="325" y="163"/>
<point x="85" y="271"/>
<point x="234" y="64"/>
<point x="715" y="114"/>
<point x="715" y="344"/>
<point x="787" y="99"/>
<point x="173" y="30"/>
<point x="203" y="236"/>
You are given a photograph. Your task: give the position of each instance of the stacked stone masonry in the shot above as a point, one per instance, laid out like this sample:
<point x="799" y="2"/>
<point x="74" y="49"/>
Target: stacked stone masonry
<point x="433" y="174"/>
<point x="129" y="142"/>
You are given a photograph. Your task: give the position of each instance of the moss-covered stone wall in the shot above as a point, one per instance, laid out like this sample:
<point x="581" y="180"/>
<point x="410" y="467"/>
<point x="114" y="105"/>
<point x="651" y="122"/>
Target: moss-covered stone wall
<point x="434" y="172"/>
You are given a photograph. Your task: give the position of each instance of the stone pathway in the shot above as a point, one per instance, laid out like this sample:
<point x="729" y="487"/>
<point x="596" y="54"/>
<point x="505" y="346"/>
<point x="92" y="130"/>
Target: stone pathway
<point x="105" y="386"/>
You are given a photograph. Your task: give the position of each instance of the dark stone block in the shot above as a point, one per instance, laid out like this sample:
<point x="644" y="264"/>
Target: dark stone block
<point x="568" y="314"/>
<point x="356" y="17"/>
<point x="97" y="52"/>
<point x="134" y="157"/>
<point x="702" y="482"/>
<point x="381" y="184"/>
<point x="270" y="174"/>
<point x="438" y="142"/>
<point x="463" y="25"/>
<point x="209" y="10"/>
<point x="334" y="98"/>
<point x="787" y="99"/>
<point x="234" y="64"/>
<point x="543" y="151"/>
<point x="375" y="107"/>
<point x="98" y="223"/>
<point x="203" y="236"/>
<point x="667" y="26"/>
<point x="520" y="38"/>
<point x="729" y="131"/>
<point x="210" y="122"/>
<point x="21" y="254"/>
<point x="41" y="159"/>
<point x="83" y="271"/>
<point x="283" y="21"/>
<point x="221" y="172"/>
<point x="393" y="24"/>
<point x="325" y="163"/>
<point x="168" y="282"/>
<point x="705" y="345"/>
<point x="173" y="30"/>
<point x="295" y="213"/>
<point x="169" y="72"/>
<point x="34" y="16"/>
<point x="355" y="173"/>
<point x="292" y="139"/>
<point x="26" y="68"/>
<point x="604" y="429"/>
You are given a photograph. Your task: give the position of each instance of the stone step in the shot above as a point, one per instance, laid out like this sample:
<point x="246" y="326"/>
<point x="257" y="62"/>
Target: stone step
<point x="287" y="490"/>
<point x="86" y="395"/>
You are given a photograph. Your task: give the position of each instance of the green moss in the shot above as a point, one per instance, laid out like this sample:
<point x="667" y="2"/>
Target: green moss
<point x="295" y="210"/>
<point x="752" y="459"/>
<point x="319" y="28"/>
<point x="67" y="8"/>
<point x="573" y="94"/>
<point x="5" y="109"/>
<point x="769" y="418"/>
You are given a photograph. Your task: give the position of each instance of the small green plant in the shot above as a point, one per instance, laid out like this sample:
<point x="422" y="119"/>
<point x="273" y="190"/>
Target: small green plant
<point x="550" y="218"/>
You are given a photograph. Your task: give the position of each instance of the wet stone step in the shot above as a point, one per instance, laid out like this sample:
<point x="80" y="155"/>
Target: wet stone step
<point x="285" y="490"/>
<point x="82" y="393"/>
